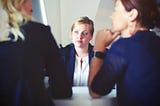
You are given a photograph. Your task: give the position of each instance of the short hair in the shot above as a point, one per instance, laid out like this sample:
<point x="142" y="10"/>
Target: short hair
<point x="148" y="15"/>
<point x="84" y="20"/>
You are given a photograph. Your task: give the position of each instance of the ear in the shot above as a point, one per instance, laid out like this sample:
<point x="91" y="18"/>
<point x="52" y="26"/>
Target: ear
<point x="133" y="15"/>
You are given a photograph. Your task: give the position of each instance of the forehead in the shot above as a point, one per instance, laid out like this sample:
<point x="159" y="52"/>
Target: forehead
<point x="81" y="26"/>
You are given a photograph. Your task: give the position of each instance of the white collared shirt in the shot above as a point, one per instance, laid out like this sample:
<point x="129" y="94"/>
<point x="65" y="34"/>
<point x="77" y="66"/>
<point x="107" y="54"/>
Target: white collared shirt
<point x="81" y="71"/>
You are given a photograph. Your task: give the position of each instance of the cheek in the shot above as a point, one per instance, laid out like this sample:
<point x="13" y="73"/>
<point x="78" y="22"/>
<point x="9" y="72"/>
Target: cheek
<point x="28" y="10"/>
<point x="73" y="37"/>
<point x="88" y="39"/>
<point x="119" y="22"/>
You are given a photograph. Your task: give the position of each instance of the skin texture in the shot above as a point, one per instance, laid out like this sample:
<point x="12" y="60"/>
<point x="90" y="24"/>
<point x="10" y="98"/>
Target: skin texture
<point x="81" y="37"/>
<point x="27" y="7"/>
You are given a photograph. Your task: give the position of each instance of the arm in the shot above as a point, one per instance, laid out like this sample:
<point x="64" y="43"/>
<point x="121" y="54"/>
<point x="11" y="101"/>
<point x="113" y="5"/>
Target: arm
<point x="103" y="39"/>
<point x="60" y="85"/>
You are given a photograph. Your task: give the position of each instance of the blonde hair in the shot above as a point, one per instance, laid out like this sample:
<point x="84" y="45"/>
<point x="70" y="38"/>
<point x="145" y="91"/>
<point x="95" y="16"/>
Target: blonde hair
<point x="84" y="20"/>
<point x="14" y="19"/>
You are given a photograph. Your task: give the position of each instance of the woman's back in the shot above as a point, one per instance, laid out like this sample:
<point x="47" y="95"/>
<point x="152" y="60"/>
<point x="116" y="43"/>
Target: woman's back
<point x="24" y="65"/>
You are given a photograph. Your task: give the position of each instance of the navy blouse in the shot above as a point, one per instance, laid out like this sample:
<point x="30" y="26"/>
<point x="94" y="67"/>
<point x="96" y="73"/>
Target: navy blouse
<point x="134" y="65"/>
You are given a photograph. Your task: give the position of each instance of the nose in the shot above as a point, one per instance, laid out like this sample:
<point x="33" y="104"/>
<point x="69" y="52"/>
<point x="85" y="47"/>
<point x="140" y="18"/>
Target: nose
<point x="80" y="36"/>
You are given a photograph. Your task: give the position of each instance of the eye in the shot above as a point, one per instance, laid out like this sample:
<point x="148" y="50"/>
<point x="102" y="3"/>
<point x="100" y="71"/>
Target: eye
<point x="84" y="33"/>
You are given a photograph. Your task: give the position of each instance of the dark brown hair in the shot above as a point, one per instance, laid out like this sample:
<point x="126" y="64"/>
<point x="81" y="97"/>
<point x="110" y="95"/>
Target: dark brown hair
<point x="148" y="15"/>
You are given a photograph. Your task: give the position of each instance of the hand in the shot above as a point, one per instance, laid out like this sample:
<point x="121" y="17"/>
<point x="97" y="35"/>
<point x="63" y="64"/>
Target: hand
<point x="104" y="38"/>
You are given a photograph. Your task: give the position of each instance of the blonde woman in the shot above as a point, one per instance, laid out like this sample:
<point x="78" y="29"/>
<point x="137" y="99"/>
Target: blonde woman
<point x="77" y="55"/>
<point x="28" y="52"/>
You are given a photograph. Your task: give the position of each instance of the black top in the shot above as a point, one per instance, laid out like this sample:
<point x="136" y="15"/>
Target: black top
<point x="23" y="65"/>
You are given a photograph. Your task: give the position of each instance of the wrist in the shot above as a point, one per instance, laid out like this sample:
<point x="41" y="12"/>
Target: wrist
<point x="99" y="48"/>
<point x="98" y="54"/>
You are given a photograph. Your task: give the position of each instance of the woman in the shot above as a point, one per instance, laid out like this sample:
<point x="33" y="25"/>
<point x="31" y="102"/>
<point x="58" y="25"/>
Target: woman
<point x="28" y="53"/>
<point x="133" y="60"/>
<point x="77" y="55"/>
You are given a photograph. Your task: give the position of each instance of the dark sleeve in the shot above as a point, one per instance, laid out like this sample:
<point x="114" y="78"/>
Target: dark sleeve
<point x="60" y="85"/>
<point x="112" y="69"/>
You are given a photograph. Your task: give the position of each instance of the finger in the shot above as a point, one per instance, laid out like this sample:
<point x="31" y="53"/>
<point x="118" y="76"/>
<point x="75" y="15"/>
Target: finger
<point x="116" y="34"/>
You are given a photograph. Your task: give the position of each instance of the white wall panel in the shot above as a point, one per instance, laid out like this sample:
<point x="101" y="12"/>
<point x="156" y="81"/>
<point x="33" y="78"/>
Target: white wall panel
<point x="60" y="15"/>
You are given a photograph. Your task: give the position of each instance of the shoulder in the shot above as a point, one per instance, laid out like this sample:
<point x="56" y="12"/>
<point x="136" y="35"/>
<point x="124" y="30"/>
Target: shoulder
<point x="68" y="47"/>
<point x="38" y="32"/>
<point x="36" y="29"/>
<point x="67" y="50"/>
<point x="36" y="26"/>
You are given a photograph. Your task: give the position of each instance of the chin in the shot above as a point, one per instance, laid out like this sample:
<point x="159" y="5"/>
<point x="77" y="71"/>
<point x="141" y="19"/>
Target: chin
<point x="78" y="45"/>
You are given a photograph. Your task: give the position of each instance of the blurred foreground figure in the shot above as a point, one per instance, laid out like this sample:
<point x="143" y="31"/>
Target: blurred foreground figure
<point x="28" y="52"/>
<point x="133" y="61"/>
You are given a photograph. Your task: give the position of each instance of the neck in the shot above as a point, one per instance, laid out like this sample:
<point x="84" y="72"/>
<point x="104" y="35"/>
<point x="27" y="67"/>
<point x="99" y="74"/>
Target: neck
<point x="128" y="33"/>
<point x="81" y="52"/>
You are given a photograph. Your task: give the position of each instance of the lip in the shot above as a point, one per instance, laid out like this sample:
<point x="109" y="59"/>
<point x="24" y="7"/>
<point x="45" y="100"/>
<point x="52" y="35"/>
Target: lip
<point x="79" y="41"/>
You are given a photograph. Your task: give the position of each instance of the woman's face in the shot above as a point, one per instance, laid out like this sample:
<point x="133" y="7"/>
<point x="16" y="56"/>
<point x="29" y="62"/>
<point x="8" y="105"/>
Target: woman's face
<point x="81" y="35"/>
<point x="27" y="7"/>
<point x="119" y="17"/>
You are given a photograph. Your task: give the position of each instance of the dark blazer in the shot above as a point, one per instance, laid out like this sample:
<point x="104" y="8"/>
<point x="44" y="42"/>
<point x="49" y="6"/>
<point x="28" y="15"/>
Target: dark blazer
<point x="134" y="65"/>
<point x="68" y="56"/>
<point x="23" y="65"/>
